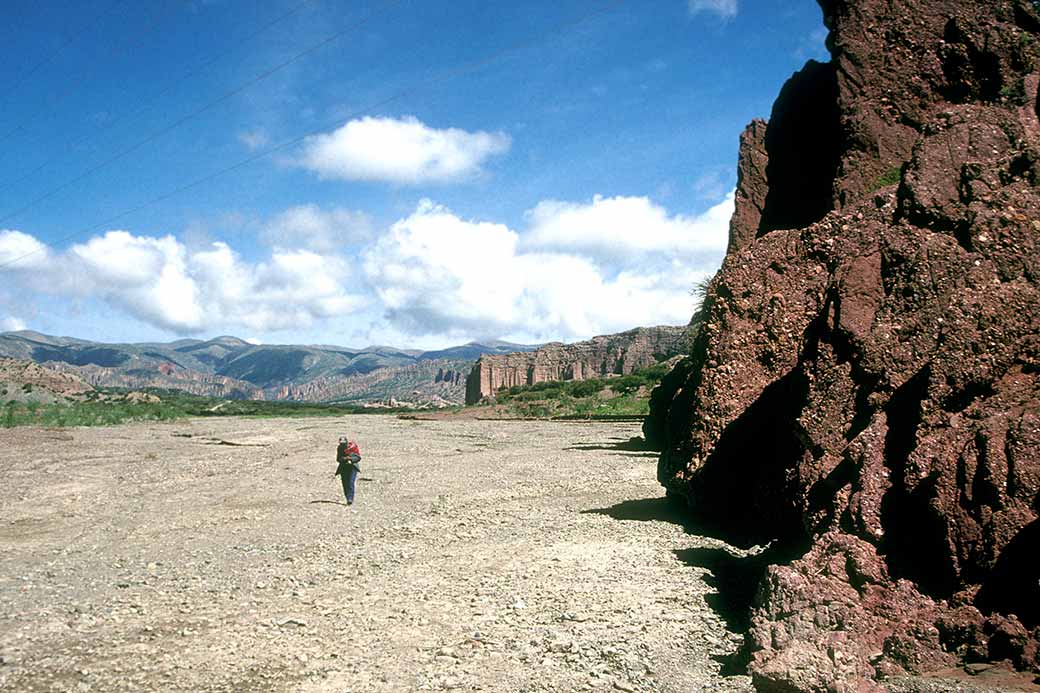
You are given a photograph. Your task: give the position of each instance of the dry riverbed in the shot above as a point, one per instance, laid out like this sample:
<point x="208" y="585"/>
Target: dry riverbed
<point x="216" y="555"/>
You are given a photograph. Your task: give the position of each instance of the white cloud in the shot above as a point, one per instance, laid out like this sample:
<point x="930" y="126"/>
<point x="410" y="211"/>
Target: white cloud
<point x="254" y="139"/>
<point x="404" y="151"/>
<point x="574" y="270"/>
<point x="626" y="230"/>
<point x="438" y="274"/>
<point x="713" y="185"/>
<point x="21" y="251"/>
<point x="311" y="227"/>
<point x="12" y="324"/>
<point x="727" y="9"/>
<point x="163" y="283"/>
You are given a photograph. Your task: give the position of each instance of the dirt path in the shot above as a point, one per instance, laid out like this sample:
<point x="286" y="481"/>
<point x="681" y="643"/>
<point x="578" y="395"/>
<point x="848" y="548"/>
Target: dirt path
<point x="215" y="555"/>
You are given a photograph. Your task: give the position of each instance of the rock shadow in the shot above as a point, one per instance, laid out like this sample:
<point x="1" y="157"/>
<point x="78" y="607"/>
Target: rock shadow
<point x="662" y="509"/>
<point x="736" y="580"/>
<point x="734" y="575"/>
<point x="636" y="445"/>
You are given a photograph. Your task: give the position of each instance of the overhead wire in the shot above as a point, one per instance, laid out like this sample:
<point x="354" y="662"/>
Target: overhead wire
<point x="84" y="76"/>
<point x="209" y="105"/>
<point x="69" y="40"/>
<point x="170" y="86"/>
<point x="445" y="76"/>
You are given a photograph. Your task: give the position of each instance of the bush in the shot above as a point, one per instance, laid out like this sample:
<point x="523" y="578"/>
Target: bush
<point x="585" y="388"/>
<point x="627" y="384"/>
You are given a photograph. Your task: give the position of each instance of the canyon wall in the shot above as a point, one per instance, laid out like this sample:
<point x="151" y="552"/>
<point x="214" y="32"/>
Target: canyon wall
<point x="864" y="393"/>
<point x="617" y="354"/>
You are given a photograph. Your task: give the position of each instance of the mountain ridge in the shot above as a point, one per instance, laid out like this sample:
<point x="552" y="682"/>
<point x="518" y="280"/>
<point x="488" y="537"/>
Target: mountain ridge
<point x="231" y="367"/>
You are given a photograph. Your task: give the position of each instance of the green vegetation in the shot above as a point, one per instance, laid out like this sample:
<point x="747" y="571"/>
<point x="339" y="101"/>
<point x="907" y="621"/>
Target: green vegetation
<point x="626" y="395"/>
<point x="700" y="288"/>
<point x="1015" y="93"/>
<point x="889" y="177"/>
<point x="111" y="408"/>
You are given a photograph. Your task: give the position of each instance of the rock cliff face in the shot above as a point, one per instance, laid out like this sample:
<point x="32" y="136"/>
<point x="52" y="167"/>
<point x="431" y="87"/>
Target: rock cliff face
<point x="612" y="354"/>
<point x="865" y="391"/>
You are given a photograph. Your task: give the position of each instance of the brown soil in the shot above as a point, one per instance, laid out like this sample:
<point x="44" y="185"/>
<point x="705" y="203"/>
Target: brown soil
<point x="217" y="555"/>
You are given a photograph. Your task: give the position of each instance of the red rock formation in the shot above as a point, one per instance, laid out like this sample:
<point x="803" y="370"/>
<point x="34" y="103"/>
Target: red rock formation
<point x="865" y="390"/>
<point x="752" y="186"/>
<point x="616" y="354"/>
<point x="16" y="374"/>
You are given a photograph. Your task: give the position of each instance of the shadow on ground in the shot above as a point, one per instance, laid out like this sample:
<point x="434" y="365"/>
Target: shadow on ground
<point x="636" y="446"/>
<point x="663" y="509"/>
<point x="734" y="575"/>
<point x="736" y="579"/>
<point x="330" y="502"/>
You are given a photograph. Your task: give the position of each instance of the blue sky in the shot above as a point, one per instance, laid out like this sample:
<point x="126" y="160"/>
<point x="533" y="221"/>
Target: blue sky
<point x="423" y="173"/>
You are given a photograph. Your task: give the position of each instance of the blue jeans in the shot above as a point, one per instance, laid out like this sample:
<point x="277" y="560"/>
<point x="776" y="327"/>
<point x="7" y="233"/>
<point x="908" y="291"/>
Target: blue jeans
<point x="349" y="478"/>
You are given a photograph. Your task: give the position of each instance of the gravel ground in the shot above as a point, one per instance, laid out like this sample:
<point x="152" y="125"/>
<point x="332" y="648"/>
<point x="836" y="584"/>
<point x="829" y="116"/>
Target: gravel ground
<point x="216" y="555"/>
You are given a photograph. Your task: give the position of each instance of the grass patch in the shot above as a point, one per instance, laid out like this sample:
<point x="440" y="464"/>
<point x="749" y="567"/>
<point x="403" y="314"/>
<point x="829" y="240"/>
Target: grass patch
<point x="889" y="177"/>
<point x="110" y="408"/>
<point x="627" y="395"/>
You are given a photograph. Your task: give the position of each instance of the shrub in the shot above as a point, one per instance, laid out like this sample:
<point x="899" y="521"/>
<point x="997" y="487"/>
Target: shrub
<point x="889" y="177"/>
<point x="700" y="288"/>
<point x="627" y="383"/>
<point x="585" y="388"/>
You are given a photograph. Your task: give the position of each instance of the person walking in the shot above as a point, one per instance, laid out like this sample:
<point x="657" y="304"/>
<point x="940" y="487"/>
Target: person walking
<point x="348" y="466"/>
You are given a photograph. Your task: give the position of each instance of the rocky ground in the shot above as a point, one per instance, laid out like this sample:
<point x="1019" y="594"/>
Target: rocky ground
<point x="216" y="555"/>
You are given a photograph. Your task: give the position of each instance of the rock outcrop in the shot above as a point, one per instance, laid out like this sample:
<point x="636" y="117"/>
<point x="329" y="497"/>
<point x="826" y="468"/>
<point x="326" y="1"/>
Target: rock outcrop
<point x="865" y="390"/>
<point x="617" y="354"/>
<point x="448" y="376"/>
<point x="25" y="381"/>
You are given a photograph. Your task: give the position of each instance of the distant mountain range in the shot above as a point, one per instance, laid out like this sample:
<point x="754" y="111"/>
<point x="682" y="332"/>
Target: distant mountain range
<point x="233" y="368"/>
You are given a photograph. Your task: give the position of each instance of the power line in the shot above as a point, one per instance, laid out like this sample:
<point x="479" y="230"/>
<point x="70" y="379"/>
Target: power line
<point x="155" y="97"/>
<point x="199" y="111"/>
<point x="448" y="75"/>
<point x="71" y="87"/>
<point x="69" y="40"/>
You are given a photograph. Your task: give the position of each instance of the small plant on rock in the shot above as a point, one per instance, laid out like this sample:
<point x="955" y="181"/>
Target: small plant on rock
<point x="889" y="177"/>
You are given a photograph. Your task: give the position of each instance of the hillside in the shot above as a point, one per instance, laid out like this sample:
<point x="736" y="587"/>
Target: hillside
<point x="27" y="382"/>
<point x="229" y="367"/>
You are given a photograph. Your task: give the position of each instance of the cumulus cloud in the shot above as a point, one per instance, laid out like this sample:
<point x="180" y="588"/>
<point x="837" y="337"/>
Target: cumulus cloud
<point x="21" y="251"/>
<point x="163" y="283"/>
<point x="314" y="228"/>
<point x="727" y="9"/>
<point x="436" y="273"/>
<point x="626" y="230"/>
<point x="573" y="270"/>
<point x="12" y="324"/>
<point x="403" y="151"/>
